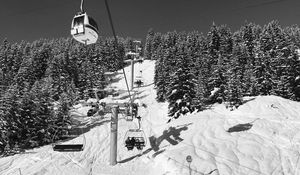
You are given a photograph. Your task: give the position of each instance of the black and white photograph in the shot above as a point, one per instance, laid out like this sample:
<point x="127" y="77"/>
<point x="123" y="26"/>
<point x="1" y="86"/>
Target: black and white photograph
<point x="150" y="87"/>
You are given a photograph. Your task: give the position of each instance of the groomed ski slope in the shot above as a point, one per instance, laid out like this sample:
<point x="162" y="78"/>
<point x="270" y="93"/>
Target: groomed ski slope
<point x="266" y="142"/>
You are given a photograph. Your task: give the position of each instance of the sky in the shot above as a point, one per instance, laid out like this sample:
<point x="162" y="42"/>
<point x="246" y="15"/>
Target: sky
<point x="31" y="20"/>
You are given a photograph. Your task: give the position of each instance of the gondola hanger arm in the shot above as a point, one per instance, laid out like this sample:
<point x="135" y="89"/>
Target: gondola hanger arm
<point x="81" y="6"/>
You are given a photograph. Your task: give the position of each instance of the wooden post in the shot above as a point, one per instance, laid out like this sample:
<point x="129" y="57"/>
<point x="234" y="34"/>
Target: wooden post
<point x="114" y="135"/>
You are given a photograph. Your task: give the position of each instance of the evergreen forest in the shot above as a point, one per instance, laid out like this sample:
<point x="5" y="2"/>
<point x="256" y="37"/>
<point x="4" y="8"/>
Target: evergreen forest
<point x="42" y="80"/>
<point x="194" y="70"/>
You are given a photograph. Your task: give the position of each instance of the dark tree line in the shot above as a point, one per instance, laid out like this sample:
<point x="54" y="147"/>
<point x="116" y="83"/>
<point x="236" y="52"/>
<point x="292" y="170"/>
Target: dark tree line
<point x="40" y="81"/>
<point x="194" y="70"/>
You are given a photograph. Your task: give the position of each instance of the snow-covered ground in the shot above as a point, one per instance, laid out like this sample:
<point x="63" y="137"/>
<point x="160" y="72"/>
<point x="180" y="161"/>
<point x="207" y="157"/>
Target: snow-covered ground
<point x="260" y="137"/>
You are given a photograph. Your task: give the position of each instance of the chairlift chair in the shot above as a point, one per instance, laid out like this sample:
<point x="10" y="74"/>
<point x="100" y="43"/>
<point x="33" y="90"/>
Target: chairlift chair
<point x="140" y="61"/>
<point x="128" y="112"/>
<point x="135" y="138"/>
<point x="69" y="147"/>
<point x="138" y="81"/>
<point x="112" y="91"/>
<point x="131" y="110"/>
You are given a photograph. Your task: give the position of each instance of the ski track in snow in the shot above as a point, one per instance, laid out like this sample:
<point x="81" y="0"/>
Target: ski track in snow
<point x="269" y="147"/>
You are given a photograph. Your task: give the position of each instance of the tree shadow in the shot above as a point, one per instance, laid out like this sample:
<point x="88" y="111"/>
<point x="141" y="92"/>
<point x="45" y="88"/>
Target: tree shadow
<point x="246" y="101"/>
<point x="213" y="171"/>
<point x="138" y="155"/>
<point x="79" y="130"/>
<point x="240" y="127"/>
<point x="115" y="79"/>
<point x="82" y="129"/>
<point x="127" y="95"/>
<point x="141" y="97"/>
<point x="147" y="85"/>
<point x="171" y="131"/>
<point x="158" y="153"/>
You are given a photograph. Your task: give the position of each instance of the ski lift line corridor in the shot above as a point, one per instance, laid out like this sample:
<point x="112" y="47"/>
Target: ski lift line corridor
<point x="116" y="43"/>
<point x="138" y="142"/>
<point x="85" y="30"/>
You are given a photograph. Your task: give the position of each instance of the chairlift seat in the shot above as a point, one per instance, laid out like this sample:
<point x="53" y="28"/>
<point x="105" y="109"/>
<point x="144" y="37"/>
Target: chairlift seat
<point x="139" y="141"/>
<point x="129" y="118"/>
<point x="68" y="147"/>
<point x="139" y="82"/>
<point x="135" y="138"/>
<point x="130" y="143"/>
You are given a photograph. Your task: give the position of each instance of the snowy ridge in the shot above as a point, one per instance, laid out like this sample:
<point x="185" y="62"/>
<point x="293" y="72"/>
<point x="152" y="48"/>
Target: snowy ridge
<point x="260" y="137"/>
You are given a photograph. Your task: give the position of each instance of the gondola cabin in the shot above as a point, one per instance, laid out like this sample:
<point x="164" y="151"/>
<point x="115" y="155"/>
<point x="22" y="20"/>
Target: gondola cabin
<point x="84" y="29"/>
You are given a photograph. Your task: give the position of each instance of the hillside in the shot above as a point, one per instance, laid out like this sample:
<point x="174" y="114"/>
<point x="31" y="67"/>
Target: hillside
<point x="260" y="137"/>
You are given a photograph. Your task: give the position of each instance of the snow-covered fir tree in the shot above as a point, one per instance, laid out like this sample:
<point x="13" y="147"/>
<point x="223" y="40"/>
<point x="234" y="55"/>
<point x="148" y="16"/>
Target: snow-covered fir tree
<point x="234" y="88"/>
<point x="148" y="44"/>
<point x="181" y="90"/>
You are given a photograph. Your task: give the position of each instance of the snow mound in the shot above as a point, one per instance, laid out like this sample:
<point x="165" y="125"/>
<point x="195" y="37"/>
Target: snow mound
<point x="260" y="137"/>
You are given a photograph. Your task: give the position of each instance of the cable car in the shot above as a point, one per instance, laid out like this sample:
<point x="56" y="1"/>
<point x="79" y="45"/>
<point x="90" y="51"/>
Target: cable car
<point x="84" y="28"/>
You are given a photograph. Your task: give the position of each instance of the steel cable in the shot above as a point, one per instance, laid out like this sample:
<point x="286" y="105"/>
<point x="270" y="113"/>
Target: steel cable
<point x="116" y="43"/>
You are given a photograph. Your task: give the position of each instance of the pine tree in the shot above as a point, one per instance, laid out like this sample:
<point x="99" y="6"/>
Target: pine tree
<point x="181" y="91"/>
<point x="219" y="50"/>
<point x="165" y="64"/>
<point x="129" y="45"/>
<point x="9" y="124"/>
<point x="267" y="60"/>
<point x="156" y="46"/>
<point x="263" y="81"/>
<point x="202" y="92"/>
<point x="61" y="117"/>
<point x="293" y="61"/>
<point x="160" y="83"/>
<point x="162" y="73"/>
<point x="4" y="62"/>
<point x="289" y="70"/>
<point x="248" y="35"/>
<point x="213" y="44"/>
<point x="148" y="44"/>
<point x="234" y="88"/>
